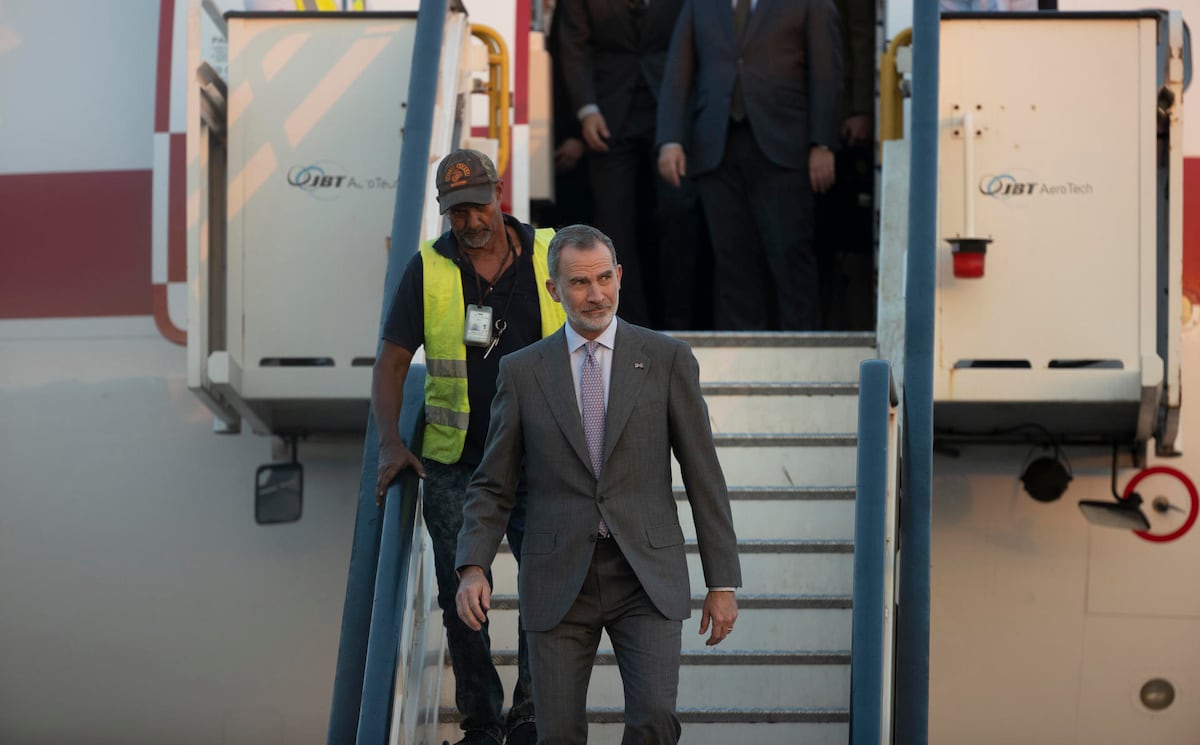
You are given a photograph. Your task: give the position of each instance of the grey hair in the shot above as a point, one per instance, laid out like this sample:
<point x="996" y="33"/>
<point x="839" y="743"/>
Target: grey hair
<point x="581" y="237"/>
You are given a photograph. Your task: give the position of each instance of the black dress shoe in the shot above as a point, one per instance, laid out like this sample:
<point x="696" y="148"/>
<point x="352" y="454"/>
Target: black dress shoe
<point x="476" y="737"/>
<point x="523" y="734"/>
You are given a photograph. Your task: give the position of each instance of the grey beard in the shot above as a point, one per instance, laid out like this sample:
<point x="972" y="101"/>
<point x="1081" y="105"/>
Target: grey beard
<point x="477" y="240"/>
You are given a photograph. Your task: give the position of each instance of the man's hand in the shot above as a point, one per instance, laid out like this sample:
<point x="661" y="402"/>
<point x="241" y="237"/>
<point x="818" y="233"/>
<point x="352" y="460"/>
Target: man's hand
<point x="394" y="457"/>
<point x="672" y="163"/>
<point x="474" y="597"/>
<point x="720" y="609"/>
<point x="568" y="154"/>
<point x="595" y="131"/>
<point x="820" y="168"/>
<point x="856" y="130"/>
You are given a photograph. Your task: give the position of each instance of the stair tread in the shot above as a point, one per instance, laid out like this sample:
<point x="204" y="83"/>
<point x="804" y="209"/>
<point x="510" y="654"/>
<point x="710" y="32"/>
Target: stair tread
<point x="782" y="492"/>
<point x="749" y="601"/>
<point x="763" y="439"/>
<point x="716" y="657"/>
<point x="736" y="388"/>
<point x="864" y="339"/>
<point x="707" y="715"/>
<point x="785" y="546"/>
<point x="764" y="546"/>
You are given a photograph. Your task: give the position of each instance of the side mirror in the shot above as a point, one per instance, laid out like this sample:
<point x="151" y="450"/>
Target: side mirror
<point x="278" y="493"/>
<point x="1125" y="514"/>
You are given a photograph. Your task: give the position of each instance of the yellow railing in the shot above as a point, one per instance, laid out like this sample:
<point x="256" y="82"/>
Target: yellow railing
<point x="891" y="98"/>
<point x="327" y="5"/>
<point x="497" y="91"/>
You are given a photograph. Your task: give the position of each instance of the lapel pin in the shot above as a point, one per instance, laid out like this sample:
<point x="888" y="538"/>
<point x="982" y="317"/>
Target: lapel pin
<point x="639" y="365"/>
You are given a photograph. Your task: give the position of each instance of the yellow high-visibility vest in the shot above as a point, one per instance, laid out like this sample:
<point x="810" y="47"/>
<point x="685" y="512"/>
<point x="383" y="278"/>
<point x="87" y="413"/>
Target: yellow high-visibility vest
<point x="447" y="408"/>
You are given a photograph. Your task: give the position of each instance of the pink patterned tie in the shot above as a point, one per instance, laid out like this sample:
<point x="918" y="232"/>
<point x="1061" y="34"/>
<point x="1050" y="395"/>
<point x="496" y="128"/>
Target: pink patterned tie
<point x="591" y="395"/>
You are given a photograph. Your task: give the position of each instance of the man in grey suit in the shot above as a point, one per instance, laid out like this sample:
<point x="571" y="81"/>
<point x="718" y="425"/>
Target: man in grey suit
<point x="766" y="78"/>
<point x="598" y="407"/>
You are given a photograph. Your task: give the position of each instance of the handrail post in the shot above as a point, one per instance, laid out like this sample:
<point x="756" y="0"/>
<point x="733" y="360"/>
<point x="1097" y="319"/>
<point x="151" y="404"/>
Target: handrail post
<point x="870" y="545"/>
<point x="912" y="641"/>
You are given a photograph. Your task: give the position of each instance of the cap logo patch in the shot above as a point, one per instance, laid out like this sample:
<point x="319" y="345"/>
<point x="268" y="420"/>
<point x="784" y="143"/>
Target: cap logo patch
<point x="457" y="175"/>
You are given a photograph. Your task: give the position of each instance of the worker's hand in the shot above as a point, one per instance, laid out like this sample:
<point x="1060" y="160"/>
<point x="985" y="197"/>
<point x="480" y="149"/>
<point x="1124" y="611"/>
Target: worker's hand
<point x="720" y="609"/>
<point x="394" y="457"/>
<point x="820" y="168"/>
<point x="474" y="597"/>
<point x="568" y="154"/>
<point x="856" y="130"/>
<point x="672" y="163"/>
<point x="595" y="131"/>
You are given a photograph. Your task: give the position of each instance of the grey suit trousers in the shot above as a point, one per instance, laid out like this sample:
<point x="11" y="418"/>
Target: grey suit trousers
<point x="646" y="645"/>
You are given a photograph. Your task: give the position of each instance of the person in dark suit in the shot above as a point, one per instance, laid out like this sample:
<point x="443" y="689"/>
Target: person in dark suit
<point x="844" y="228"/>
<point x="612" y="54"/>
<point x="598" y="407"/>
<point x="572" y="187"/>
<point x="766" y="78"/>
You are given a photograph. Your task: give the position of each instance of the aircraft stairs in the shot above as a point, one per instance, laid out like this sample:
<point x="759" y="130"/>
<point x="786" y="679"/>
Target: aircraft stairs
<point x="783" y="409"/>
<point x="787" y="411"/>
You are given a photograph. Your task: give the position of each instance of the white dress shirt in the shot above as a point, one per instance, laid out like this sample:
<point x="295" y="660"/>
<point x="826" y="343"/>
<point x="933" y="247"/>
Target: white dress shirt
<point x="575" y="345"/>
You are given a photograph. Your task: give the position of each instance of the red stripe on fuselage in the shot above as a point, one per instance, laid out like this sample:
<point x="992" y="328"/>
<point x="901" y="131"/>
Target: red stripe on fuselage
<point x="521" y="65"/>
<point x="75" y="244"/>
<point x="177" y="210"/>
<point x="1191" y="228"/>
<point x="162" y="87"/>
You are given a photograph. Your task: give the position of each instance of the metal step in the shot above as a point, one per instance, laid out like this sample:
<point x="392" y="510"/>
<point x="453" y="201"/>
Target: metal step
<point x="795" y="727"/>
<point x="780" y="514"/>
<point x="790" y="567"/>
<point x="765" y="622"/>
<point x="757" y="459"/>
<point x="713" y="726"/>
<point x="796" y="512"/>
<point x="780" y="357"/>
<point x="745" y="682"/>
<point x="708" y="715"/>
<point x="709" y="656"/>
<point x="779" y="408"/>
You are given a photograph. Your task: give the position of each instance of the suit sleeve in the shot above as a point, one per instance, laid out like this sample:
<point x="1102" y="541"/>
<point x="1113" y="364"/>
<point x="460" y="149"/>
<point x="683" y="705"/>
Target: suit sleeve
<point x="692" y="441"/>
<point x="823" y="45"/>
<point x="575" y="52"/>
<point x="491" y="493"/>
<point x="678" y="78"/>
<point x="566" y="123"/>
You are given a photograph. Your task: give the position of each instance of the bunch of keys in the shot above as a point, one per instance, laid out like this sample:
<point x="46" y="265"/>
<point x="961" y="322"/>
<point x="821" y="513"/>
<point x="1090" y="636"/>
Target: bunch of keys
<point x="501" y="325"/>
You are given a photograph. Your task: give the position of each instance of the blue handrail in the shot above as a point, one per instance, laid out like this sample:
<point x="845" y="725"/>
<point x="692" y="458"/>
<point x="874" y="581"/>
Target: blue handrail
<point x="376" y="589"/>
<point x="359" y="712"/>
<point x="391" y="575"/>
<point x="912" y="625"/>
<point x="870" y="546"/>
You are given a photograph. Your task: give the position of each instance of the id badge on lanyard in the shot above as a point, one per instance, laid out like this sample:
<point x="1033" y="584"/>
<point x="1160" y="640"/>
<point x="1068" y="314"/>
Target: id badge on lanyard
<point x="477" y="332"/>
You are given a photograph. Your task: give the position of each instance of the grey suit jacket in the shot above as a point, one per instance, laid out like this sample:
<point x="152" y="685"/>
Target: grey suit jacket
<point x="790" y="64"/>
<point x="655" y="406"/>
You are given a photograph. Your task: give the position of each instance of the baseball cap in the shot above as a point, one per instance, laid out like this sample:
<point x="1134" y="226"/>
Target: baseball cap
<point x="465" y="177"/>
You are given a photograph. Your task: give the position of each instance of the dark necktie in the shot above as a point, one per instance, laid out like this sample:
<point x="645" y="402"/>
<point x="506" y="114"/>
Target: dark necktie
<point x="741" y="13"/>
<point x="591" y="396"/>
